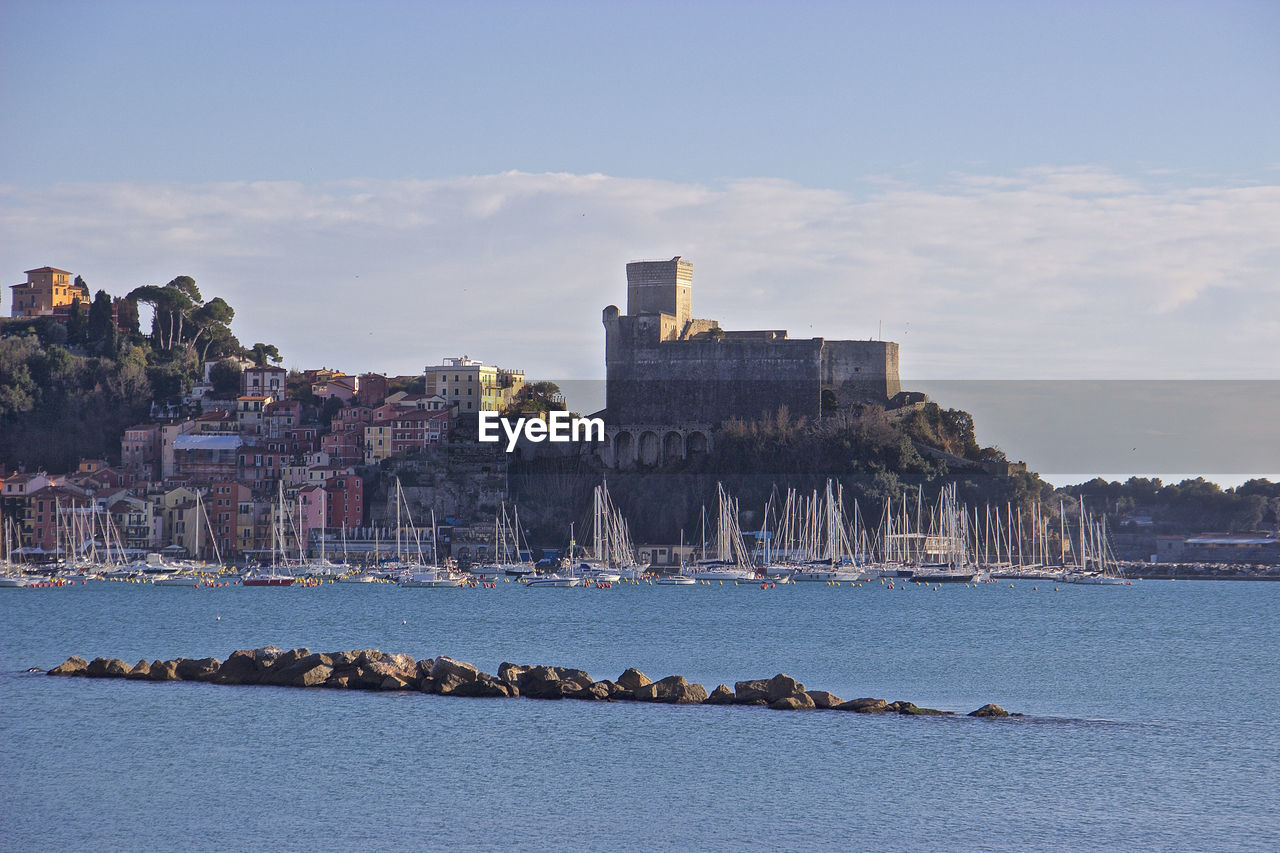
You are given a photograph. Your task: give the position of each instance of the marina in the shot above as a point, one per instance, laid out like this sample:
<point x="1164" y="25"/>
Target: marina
<point x="1117" y="707"/>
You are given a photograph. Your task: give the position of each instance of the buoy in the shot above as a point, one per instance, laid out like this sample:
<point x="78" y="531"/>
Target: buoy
<point x="764" y="586"/>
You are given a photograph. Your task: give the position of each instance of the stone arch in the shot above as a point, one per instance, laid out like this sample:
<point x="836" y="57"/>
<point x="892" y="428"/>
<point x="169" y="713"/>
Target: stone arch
<point x="696" y="442"/>
<point x="623" y="449"/>
<point x="672" y="446"/>
<point x="649" y="448"/>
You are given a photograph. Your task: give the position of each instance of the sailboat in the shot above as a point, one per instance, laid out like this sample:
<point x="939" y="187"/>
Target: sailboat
<point x="506" y="549"/>
<point x="418" y="575"/>
<point x="556" y="579"/>
<point x="834" y="562"/>
<point x="732" y="562"/>
<point x="1095" y="551"/>
<point x="187" y="577"/>
<point x="679" y="579"/>
<point x="273" y="577"/>
<point x="12" y="577"/>
<point x="612" y="557"/>
<point x="948" y="543"/>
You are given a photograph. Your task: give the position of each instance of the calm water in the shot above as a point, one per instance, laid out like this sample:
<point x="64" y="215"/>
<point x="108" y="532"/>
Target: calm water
<point x="1153" y="721"/>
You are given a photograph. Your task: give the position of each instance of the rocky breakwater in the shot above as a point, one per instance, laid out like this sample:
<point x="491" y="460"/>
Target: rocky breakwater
<point x="371" y="669"/>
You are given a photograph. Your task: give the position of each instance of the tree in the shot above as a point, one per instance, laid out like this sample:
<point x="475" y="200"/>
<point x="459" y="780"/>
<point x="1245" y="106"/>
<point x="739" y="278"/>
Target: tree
<point x="100" y="330"/>
<point x="536" y="397"/>
<point x="330" y="409"/>
<point x="225" y="378"/>
<point x="260" y="353"/>
<point x="210" y="321"/>
<point x="128" y="316"/>
<point x="75" y="322"/>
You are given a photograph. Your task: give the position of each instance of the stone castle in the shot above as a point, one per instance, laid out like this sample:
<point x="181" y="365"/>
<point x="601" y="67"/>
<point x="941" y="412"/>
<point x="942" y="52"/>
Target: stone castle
<point x="671" y="378"/>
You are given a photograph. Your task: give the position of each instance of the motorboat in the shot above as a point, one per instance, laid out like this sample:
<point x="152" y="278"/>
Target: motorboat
<point x="432" y="579"/>
<point x="551" y="580"/>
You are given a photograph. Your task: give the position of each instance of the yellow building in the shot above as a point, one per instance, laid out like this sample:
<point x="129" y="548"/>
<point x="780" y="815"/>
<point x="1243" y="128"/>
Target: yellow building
<point x="184" y="524"/>
<point x="377" y="443"/>
<point x="469" y="386"/>
<point x="45" y="289"/>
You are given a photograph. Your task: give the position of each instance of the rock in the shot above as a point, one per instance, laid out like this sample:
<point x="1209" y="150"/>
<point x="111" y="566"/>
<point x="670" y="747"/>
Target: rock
<point x="107" y="668"/>
<point x="402" y="663"/>
<point x="306" y="673"/>
<point x="365" y="678"/>
<point x="909" y="709"/>
<point x="368" y="656"/>
<point x="614" y="689"/>
<point x="510" y="672"/>
<point x="289" y="658"/>
<point x="392" y="682"/>
<point x="722" y="695"/>
<point x="598" y="692"/>
<point x="350" y="659"/>
<point x="240" y="667"/>
<point x="798" y="702"/>
<point x="674" y="690"/>
<point x="339" y="681"/>
<point x="690" y="694"/>
<point x="202" y="669"/>
<point x="401" y="667"/>
<point x="781" y="686"/>
<point x="446" y="669"/>
<point x="164" y="670"/>
<point x="754" y="692"/>
<point x="864" y="706"/>
<point x="71" y="666"/>
<point x="989" y="710"/>
<point x="141" y="671"/>
<point x="541" y="682"/>
<point x="485" y="688"/>
<point x="266" y="656"/>
<point x="445" y="686"/>
<point x="579" y="677"/>
<point x="632" y="679"/>
<point x="823" y="699"/>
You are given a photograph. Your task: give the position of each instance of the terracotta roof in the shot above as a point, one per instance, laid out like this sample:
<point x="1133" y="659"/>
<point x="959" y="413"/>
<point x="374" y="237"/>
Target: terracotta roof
<point x="47" y="269"/>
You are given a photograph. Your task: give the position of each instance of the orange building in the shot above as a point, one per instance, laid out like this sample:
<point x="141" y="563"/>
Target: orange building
<point x="45" y="289"/>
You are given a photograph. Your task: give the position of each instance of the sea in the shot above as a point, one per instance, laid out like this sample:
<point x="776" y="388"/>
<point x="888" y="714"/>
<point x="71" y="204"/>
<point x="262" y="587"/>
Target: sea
<point x="1152" y="721"/>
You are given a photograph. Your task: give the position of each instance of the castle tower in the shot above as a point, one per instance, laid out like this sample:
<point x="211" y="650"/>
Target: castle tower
<point x="661" y="287"/>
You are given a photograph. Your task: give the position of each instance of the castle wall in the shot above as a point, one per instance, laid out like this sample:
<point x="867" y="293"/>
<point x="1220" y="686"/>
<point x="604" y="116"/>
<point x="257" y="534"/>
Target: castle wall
<point x="665" y="368"/>
<point x="860" y="370"/>
<point x="705" y="380"/>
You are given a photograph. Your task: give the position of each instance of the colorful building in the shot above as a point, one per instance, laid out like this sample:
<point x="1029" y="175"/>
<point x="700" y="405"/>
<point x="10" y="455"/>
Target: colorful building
<point x="45" y="289"/>
<point x="469" y="386"/>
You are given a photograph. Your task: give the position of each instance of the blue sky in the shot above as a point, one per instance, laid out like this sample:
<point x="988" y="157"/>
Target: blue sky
<point x="1010" y="190"/>
<point x="818" y="93"/>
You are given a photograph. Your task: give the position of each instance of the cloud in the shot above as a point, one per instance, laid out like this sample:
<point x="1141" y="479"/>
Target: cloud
<point x="1048" y="272"/>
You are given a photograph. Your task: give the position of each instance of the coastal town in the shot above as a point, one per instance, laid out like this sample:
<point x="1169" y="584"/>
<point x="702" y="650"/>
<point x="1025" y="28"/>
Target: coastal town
<point x="248" y="463"/>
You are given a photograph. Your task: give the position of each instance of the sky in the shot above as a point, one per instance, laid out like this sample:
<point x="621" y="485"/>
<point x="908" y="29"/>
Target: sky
<point x="1012" y="191"/>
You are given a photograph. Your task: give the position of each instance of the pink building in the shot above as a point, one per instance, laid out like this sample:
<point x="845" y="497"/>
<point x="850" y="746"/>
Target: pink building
<point x="346" y="501"/>
<point x="417" y="430"/>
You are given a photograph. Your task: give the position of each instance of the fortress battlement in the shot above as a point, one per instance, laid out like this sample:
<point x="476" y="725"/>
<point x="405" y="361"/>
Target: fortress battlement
<point x="663" y="366"/>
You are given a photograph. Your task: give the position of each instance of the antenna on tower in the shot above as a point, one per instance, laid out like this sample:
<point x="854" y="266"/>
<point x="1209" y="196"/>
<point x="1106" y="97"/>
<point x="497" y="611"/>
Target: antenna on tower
<point x="880" y="330"/>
